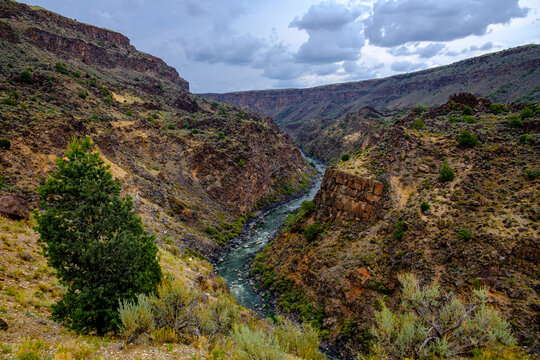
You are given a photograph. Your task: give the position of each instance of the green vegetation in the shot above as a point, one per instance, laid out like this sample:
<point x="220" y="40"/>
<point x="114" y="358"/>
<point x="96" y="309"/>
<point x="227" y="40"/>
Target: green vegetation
<point x="432" y="324"/>
<point x="526" y="113"/>
<point x="312" y="231"/>
<point x="345" y="157"/>
<point x="464" y="234"/>
<point x="26" y="77"/>
<point x="419" y="109"/>
<point x="467" y="139"/>
<point x="227" y="231"/>
<point x="418" y="124"/>
<point x="515" y="121"/>
<point x="94" y="241"/>
<point x="241" y="163"/>
<point x="5" y="144"/>
<point x="454" y="119"/>
<point x="9" y="101"/>
<point x="83" y="94"/>
<point x="531" y="174"/>
<point x="525" y="138"/>
<point x="424" y="206"/>
<point x="467" y="110"/>
<point x="61" y="68"/>
<point x="399" y="230"/>
<point x="170" y="126"/>
<point x="498" y="108"/>
<point x="446" y="173"/>
<point x="469" y="119"/>
<point x="129" y="113"/>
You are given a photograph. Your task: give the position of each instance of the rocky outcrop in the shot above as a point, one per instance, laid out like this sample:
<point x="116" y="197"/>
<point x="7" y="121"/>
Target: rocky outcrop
<point x="70" y="39"/>
<point x="503" y="76"/>
<point x="345" y="195"/>
<point x="13" y="207"/>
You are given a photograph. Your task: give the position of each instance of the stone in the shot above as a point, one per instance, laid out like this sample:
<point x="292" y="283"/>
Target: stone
<point x="14" y="207"/>
<point x="378" y="190"/>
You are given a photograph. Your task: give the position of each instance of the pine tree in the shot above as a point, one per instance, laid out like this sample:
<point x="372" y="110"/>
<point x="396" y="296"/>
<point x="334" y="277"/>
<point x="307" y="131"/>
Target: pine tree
<point x="94" y="241"/>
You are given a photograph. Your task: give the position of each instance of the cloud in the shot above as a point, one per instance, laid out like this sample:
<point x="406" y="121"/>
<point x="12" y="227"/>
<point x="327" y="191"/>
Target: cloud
<point x="335" y="33"/>
<point x="394" y="23"/>
<point x="430" y="50"/>
<point x="356" y="71"/>
<point x="232" y="50"/>
<point x="485" y="47"/>
<point x="327" y="15"/>
<point x="406" y="66"/>
<point x="425" y="52"/>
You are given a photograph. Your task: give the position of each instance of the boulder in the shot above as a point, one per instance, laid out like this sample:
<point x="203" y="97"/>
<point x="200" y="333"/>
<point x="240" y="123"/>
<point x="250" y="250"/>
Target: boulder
<point x="14" y="207"/>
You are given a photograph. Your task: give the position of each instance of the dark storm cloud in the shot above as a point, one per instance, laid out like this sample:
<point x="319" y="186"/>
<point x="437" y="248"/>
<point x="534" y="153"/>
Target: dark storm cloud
<point x="334" y="32"/>
<point x="394" y="23"/>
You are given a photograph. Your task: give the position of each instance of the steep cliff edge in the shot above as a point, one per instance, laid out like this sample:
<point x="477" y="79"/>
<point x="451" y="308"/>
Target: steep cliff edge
<point x="480" y="227"/>
<point x="195" y="169"/>
<point x="503" y="76"/>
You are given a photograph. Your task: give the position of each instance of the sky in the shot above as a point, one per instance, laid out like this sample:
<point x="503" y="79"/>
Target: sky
<point x="234" y="45"/>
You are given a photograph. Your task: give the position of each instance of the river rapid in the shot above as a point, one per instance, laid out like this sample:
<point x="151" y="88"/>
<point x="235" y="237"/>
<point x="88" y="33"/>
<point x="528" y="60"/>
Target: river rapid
<point x="234" y="267"/>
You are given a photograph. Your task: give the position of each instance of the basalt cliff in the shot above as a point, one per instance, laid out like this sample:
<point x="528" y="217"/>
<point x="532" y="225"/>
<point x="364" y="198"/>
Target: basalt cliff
<point x="389" y="209"/>
<point x="324" y="115"/>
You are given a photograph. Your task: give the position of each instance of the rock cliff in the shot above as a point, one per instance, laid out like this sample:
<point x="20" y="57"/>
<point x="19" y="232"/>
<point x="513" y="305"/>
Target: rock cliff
<point x="477" y="228"/>
<point x="344" y="195"/>
<point x="195" y="169"/>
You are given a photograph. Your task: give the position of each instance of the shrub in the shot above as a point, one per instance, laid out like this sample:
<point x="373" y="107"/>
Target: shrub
<point x="94" y="240"/>
<point x="532" y="174"/>
<point x="467" y="110"/>
<point x="9" y="101"/>
<point x="170" y="126"/>
<point x="194" y="131"/>
<point x="61" y="68"/>
<point x="307" y="206"/>
<point x="431" y="324"/>
<point x="302" y="341"/>
<point x="136" y="317"/>
<point x="498" y="108"/>
<point x="83" y="94"/>
<point x="221" y="135"/>
<point x="399" y="230"/>
<point x="525" y="138"/>
<point x="419" y="109"/>
<point x="464" y="234"/>
<point x="454" y="119"/>
<point x="5" y="144"/>
<point x="312" y="231"/>
<point x="467" y="139"/>
<point x="345" y="157"/>
<point x="129" y="113"/>
<point x="256" y="345"/>
<point x="424" y="206"/>
<point x="514" y="121"/>
<point x="446" y="173"/>
<point x="418" y="124"/>
<point x="469" y="119"/>
<point x="526" y="113"/>
<point x="26" y="77"/>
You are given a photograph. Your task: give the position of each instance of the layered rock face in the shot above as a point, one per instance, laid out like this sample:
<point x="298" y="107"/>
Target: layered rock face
<point x="70" y="39"/>
<point x="345" y="196"/>
<point x="193" y="168"/>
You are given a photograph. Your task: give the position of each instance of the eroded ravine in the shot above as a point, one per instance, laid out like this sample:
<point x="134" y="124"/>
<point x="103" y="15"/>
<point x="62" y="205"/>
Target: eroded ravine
<point x="234" y="267"/>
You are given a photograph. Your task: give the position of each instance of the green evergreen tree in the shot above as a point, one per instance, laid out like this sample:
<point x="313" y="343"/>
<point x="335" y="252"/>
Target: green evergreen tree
<point x="94" y="241"/>
<point x="446" y="173"/>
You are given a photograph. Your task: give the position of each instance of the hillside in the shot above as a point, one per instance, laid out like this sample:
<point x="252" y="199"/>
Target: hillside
<point x="195" y="170"/>
<point x="369" y="223"/>
<point x="504" y="76"/>
<point x="189" y="164"/>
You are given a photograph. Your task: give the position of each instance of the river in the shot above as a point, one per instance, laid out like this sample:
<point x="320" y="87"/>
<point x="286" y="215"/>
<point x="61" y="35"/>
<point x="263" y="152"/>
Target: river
<point x="234" y="269"/>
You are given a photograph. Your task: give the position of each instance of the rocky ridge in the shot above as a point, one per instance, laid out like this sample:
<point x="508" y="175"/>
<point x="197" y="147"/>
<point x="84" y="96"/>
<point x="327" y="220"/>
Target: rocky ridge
<point x="478" y="229"/>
